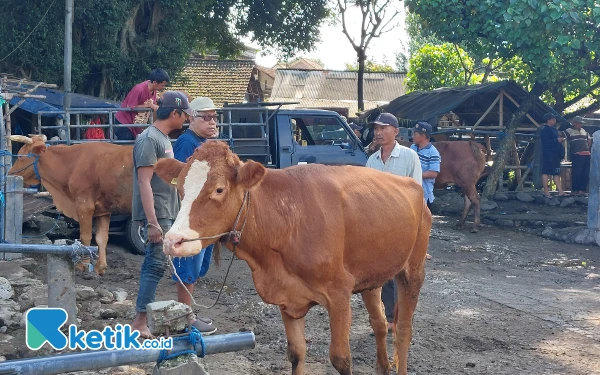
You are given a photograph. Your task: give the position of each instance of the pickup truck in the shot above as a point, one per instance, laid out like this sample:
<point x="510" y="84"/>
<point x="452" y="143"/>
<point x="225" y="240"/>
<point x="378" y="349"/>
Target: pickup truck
<point x="280" y="138"/>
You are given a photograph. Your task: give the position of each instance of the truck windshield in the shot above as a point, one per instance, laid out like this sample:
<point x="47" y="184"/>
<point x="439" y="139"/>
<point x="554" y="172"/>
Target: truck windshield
<point x="318" y="131"/>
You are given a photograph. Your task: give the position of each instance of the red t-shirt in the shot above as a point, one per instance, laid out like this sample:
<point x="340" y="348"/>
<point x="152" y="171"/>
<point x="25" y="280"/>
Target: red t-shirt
<point x="137" y="96"/>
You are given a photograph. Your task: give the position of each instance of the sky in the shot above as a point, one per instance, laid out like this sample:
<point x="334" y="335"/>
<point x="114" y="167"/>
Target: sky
<point x="335" y="49"/>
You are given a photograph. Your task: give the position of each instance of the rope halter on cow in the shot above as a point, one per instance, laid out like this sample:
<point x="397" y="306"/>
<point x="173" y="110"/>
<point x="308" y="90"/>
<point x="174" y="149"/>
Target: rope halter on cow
<point x="234" y="236"/>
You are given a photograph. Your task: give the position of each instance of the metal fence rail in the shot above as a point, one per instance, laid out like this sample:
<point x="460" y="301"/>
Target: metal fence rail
<point x="95" y="360"/>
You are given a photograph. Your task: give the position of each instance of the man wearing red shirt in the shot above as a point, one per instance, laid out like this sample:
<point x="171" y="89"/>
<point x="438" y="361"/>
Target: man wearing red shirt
<point x="142" y="95"/>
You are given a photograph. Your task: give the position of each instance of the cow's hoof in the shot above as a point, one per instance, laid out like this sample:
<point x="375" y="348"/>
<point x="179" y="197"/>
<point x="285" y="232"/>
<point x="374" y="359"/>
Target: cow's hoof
<point x="474" y="230"/>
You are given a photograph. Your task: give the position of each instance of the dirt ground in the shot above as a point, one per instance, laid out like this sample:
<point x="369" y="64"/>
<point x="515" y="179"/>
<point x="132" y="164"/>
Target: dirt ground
<point x="497" y="302"/>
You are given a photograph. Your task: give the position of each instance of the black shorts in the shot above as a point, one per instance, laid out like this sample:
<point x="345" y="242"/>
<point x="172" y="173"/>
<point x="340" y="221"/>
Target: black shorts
<point x="551" y="164"/>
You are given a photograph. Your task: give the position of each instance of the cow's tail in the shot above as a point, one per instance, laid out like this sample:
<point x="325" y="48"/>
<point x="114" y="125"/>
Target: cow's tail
<point x="478" y="154"/>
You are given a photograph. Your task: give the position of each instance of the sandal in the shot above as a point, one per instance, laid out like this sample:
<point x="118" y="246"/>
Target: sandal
<point x="205" y="329"/>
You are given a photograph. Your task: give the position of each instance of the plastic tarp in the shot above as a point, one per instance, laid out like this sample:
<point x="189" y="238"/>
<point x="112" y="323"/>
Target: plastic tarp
<point x="54" y="102"/>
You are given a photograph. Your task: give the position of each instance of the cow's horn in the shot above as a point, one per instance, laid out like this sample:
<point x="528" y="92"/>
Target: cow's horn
<point x="21" y="138"/>
<point x="43" y="136"/>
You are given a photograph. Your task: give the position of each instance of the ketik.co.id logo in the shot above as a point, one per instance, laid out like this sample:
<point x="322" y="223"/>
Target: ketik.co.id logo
<point x="44" y="324"/>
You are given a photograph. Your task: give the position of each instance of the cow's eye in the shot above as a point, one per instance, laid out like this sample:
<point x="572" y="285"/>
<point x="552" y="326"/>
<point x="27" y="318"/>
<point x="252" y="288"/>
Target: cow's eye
<point x="220" y="190"/>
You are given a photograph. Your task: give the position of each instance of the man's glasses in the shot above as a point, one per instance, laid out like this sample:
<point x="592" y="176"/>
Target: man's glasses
<point x="207" y="117"/>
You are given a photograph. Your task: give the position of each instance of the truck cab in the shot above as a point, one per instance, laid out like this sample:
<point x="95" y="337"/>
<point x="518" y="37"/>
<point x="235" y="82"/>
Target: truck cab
<point x="279" y="138"/>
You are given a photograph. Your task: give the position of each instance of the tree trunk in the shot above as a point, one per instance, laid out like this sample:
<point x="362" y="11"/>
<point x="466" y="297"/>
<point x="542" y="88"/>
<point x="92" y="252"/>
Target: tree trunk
<point x="560" y="101"/>
<point x="506" y="144"/>
<point x="361" y="73"/>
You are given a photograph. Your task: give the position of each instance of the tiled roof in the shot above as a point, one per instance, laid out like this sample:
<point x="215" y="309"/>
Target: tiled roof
<point x="220" y="80"/>
<point x="300" y="63"/>
<point x="324" y="88"/>
<point x="268" y="71"/>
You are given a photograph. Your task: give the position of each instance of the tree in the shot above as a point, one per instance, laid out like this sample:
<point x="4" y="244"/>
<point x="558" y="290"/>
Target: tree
<point x="435" y="66"/>
<point x="559" y="48"/>
<point x="377" y="18"/>
<point x="116" y="43"/>
<point x="371" y="67"/>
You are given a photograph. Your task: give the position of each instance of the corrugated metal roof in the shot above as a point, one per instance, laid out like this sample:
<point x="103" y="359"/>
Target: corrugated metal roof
<point x="468" y="102"/>
<point x="220" y="80"/>
<point x="352" y="105"/>
<point x="336" y="85"/>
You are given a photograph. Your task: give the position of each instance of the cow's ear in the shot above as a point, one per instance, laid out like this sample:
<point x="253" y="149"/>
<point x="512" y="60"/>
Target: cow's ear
<point x="250" y="173"/>
<point x="168" y="170"/>
<point x="39" y="148"/>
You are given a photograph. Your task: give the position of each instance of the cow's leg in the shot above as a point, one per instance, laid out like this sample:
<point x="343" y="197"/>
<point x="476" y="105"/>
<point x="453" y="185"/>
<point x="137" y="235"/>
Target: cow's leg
<point x="85" y="232"/>
<point x="294" y="330"/>
<point x="471" y="192"/>
<point x="409" y="284"/>
<point x="340" y="319"/>
<point x="372" y="299"/>
<point x="102" y="225"/>
<point x="465" y="213"/>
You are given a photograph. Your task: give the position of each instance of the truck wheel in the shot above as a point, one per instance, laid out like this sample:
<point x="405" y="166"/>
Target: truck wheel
<point x="134" y="237"/>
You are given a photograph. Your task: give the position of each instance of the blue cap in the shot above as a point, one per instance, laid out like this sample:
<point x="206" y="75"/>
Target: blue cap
<point x="423" y="127"/>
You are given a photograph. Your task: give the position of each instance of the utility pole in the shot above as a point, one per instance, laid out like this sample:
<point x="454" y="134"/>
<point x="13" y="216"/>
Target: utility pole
<point x="67" y="69"/>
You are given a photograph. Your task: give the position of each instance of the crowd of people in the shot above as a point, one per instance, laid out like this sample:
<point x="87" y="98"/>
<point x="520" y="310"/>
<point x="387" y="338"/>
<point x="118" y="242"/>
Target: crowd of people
<point x="156" y="203"/>
<point x="553" y="152"/>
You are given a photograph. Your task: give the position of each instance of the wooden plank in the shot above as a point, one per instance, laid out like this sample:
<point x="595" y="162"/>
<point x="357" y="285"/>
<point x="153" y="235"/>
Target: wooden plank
<point x="488" y="110"/>
<point x="33" y="206"/>
<point x="519" y="106"/>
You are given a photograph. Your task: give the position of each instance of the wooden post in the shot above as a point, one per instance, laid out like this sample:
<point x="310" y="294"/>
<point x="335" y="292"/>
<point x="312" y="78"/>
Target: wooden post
<point x="488" y="147"/>
<point x="499" y="97"/>
<point x="13" y="229"/>
<point x="8" y="131"/>
<point x="501" y="107"/>
<point x="61" y="287"/>
<point x="515" y="153"/>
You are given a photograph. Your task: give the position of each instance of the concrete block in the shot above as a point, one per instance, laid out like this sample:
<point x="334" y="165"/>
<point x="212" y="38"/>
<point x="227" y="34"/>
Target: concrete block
<point x="188" y="364"/>
<point x="167" y="314"/>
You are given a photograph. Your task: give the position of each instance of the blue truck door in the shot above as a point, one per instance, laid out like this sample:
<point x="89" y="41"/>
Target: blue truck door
<point x="324" y="139"/>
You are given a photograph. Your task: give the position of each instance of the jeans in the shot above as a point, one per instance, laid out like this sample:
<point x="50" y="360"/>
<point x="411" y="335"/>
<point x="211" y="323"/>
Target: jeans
<point x="153" y="269"/>
<point x="388" y="296"/>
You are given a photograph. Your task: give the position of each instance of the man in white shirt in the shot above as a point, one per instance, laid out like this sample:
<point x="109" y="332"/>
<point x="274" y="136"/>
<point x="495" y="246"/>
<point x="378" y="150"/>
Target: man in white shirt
<point x="399" y="160"/>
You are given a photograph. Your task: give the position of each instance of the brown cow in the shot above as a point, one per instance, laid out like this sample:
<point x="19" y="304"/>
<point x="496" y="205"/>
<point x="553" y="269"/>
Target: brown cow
<point x="463" y="163"/>
<point x="300" y="239"/>
<point x="85" y="181"/>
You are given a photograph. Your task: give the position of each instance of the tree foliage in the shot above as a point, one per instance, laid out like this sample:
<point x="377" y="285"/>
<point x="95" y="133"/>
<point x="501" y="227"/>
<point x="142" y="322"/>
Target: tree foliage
<point x="557" y="40"/>
<point x="435" y="66"/>
<point x="116" y="43"/>
<point x="372" y="67"/>
<point x="559" y="50"/>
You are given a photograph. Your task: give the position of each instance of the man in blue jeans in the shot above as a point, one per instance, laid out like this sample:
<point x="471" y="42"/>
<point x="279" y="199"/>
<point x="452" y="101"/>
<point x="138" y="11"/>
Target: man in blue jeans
<point x="155" y="202"/>
<point x="203" y="126"/>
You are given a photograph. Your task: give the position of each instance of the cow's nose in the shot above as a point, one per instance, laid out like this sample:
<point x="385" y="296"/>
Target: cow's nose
<point x="177" y="243"/>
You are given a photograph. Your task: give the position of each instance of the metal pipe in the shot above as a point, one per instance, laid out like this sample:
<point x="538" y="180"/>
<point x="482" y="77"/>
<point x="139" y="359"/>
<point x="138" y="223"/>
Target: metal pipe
<point x="43" y="249"/>
<point x="98" y="359"/>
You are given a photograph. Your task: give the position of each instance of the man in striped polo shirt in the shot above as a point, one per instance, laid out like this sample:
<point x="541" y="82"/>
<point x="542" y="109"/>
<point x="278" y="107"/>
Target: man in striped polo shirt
<point x="429" y="157"/>
<point x="579" y="147"/>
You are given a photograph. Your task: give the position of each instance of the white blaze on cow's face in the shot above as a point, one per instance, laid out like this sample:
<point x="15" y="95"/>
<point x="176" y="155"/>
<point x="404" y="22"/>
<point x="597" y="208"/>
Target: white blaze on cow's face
<point x="192" y="186"/>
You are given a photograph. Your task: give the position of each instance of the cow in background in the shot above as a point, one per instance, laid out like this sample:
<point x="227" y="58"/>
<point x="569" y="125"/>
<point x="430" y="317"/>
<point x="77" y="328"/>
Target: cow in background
<point x="297" y="230"/>
<point x="463" y="163"/>
<point x="86" y="181"/>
